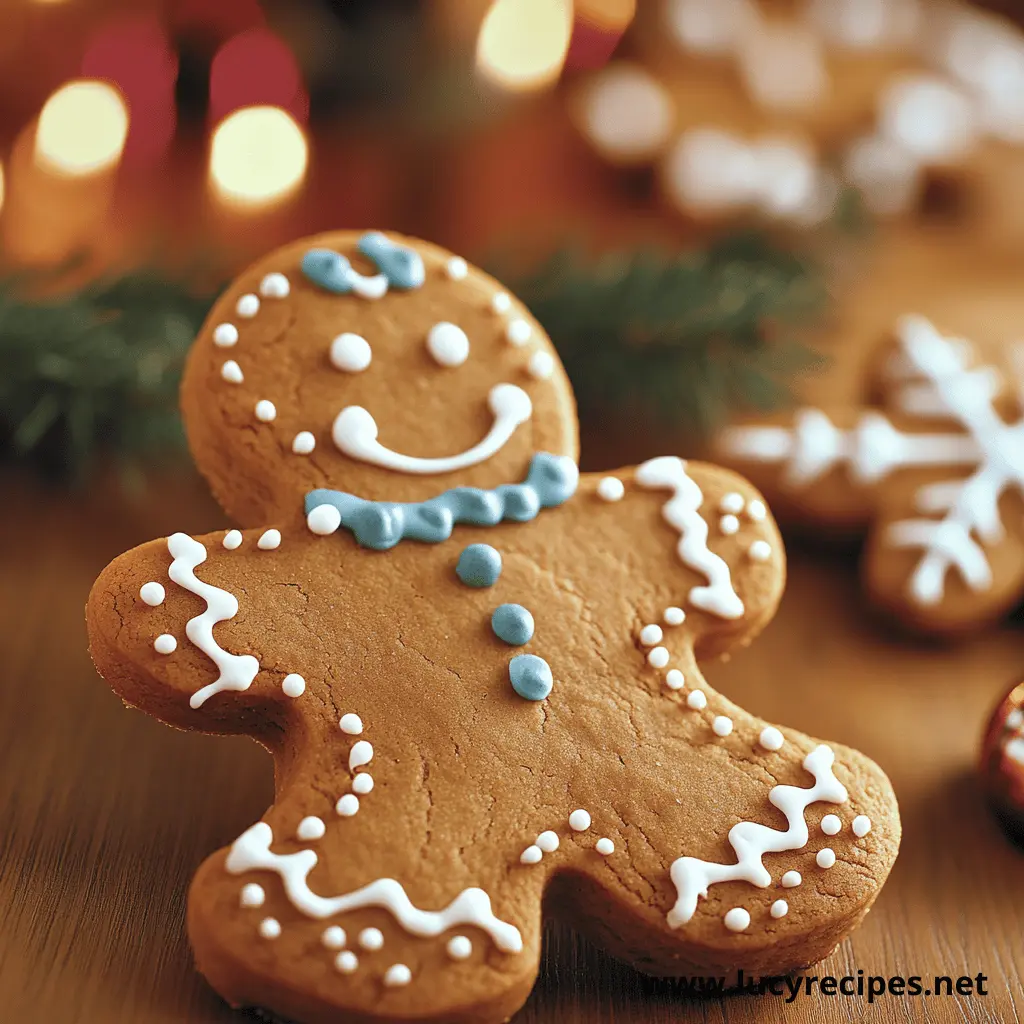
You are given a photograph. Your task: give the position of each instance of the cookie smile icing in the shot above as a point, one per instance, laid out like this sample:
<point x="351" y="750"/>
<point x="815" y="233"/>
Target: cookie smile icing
<point x="251" y="852"/>
<point x="355" y="433"/>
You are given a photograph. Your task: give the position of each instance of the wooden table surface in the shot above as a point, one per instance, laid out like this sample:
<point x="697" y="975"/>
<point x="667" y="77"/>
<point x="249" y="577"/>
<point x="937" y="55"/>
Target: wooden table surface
<point x="107" y="813"/>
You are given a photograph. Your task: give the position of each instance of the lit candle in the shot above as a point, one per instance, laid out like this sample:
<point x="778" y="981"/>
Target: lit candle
<point x="522" y="44"/>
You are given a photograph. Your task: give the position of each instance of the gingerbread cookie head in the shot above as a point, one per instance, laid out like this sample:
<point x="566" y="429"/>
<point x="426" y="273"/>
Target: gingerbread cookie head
<point x="481" y="682"/>
<point x="369" y="364"/>
<point x="932" y="465"/>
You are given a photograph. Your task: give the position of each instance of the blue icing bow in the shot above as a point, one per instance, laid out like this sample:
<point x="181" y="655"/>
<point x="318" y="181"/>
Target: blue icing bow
<point x="402" y="267"/>
<point x="550" y="482"/>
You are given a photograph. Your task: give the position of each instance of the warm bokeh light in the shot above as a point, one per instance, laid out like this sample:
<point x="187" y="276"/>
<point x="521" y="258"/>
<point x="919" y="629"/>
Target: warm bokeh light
<point x="82" y="128"/>
<point x="523" y="43"/>
<point x="256" y="68"/>
<point x="257" y="156"/>
<point x="610" y="15"/>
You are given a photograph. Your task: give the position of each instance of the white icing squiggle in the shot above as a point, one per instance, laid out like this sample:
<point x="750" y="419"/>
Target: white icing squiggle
<point x="236" y="671"/>
<point x="681" y="511"/>
<point x="251" y="852"/>
<point x="752" y="841"/>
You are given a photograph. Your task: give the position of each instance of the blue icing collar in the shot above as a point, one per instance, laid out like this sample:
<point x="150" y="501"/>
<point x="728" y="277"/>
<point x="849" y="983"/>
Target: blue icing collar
<point x="550" y="482"/>
<point x="330" y="270"/>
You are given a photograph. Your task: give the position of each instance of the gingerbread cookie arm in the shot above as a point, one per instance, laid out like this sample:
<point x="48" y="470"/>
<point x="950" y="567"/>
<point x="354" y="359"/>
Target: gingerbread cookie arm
<point x="175" y="628"/>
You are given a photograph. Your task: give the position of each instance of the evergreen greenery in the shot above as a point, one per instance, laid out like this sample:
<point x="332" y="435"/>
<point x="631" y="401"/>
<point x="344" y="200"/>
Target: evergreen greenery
<point x="686" y="338"/>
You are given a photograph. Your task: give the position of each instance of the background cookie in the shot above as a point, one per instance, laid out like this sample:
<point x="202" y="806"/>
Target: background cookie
<point x="474" y="696"/>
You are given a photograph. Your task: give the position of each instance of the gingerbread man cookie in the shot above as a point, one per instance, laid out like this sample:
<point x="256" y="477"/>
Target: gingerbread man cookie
<point x="477" y="670"/>
<point x="936" y="468"/>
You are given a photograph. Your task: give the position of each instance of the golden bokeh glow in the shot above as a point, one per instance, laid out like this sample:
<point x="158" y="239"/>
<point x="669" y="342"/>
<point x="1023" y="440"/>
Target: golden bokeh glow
<point x="522" y="43"/>
<point x="81" y="129"/>
<point x="257" y="156"/>
<point x="610" y="15"/>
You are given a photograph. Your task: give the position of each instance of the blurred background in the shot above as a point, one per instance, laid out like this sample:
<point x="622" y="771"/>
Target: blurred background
<point x="674" y="186"/>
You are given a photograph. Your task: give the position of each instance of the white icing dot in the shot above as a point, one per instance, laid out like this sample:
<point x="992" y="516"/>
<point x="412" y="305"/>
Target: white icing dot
<point x="728" y="524"/>
<point x="371" y="938"/>
<point x="611" y="488"/>
<point x="459" y="947"/>
<point x="293" y="685"/>
<point x="269" y="540"/>
<point x="518" y="332"/>
<point x="351" y="353"/>
<point x="825" y="858"/>
<point x="266" y="411"/>
<point x="248" y="306"/>
<point x="651" y="635"/>
<point x="397" y="975"/>
<point x="674" y="616"/>
<point x="351" y="724"/>
<point x="731" y="502"/>
<point x="756" y="510"/>
<point x="304" y="443"/>
<point x="760" y="551"/>
<point x="674" y="679"/>
<point x="232" y="372"/>
<point x="275" y="286"/>
<point x="548" y="841"/>
<point x="780" y="908"/>
<point x="1015" y="719"/>
<point x="531" y="855"/>
<point x="861" y="826"/>
<point x="501" y="303"/>
<point x="165" y="644"/>
<point x="334" y="937"/>
<point x="225" y="335"/>
<point x="232" y="539"/>
<point x="791" y="879"/>
<point x="252" y="895"/>
<point x="831" y="824"/>
<point x="346" y="962"/>
<point x="771" y="738"/>
<point x="579" y="820"/>
<point x="658" y="658"/>
<point x="347" y="805"/>
<point x="541" y="365"/>
<point x="360" y="754"/>
<point x="697" y="700"/>
<point x="448" y="344"/>
<point x="362" y="783"/>
<point x="152" y="593"/>
<point x="270" y="928"/>
<point x="722" y="725"/>
<point x="310" y="828"/>
<point x="737" y="920"/>
<point x="456" y="268"/>
<point x="604" y="846"/>
<point x="323" y="520"/>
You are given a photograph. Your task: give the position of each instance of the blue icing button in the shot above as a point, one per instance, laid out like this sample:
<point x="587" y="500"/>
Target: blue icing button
<point x="402" y="267"/>
<point x="513" y="623"/>
<point x="550" y="482"/>
<point x="531" y="676"/>
<point x="328" y="269"/>
<point x="479" y="565"/>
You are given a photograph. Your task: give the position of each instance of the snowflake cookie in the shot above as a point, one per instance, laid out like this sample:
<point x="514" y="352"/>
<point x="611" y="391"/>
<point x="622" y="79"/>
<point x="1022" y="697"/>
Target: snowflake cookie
<point x="475" y="667"/>
<point x="936" y="468"/>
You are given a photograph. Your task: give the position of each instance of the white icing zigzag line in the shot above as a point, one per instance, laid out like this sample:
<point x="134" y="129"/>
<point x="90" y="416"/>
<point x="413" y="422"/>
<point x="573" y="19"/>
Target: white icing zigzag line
<point x="251" y="852"/>
<point x="752" y="841"/>
<point x="236" y="671"/>
<point x="680" y="511"/>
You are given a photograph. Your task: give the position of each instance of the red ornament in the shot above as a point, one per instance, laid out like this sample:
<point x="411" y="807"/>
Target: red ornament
<point x="256" y="68"/>
<point x="1002" y="762"/>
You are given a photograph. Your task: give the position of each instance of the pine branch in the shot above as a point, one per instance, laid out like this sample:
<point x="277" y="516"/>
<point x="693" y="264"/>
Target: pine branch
<point x="683" y="339"/>
<point x="98" y="368"/>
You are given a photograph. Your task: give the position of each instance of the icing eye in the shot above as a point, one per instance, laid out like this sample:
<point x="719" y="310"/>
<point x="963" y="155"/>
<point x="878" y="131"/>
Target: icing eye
<point x="448" y="344"/>
<point x="351" y="353"/>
